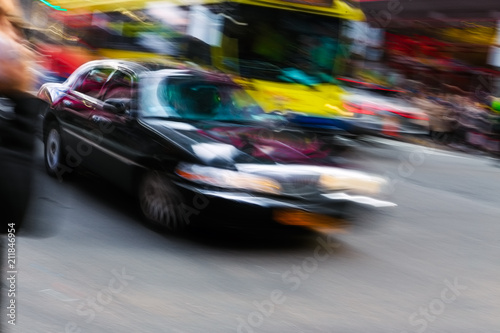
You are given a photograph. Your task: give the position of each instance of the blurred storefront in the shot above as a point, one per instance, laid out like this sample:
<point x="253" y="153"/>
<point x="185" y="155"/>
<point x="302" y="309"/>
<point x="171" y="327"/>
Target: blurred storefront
<point x="449" y="53"/>
<point x="445" y="56"/>
<point x="440" y="43"/>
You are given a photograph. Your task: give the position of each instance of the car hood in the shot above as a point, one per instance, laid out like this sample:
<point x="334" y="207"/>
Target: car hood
<point x="216" y="143"/>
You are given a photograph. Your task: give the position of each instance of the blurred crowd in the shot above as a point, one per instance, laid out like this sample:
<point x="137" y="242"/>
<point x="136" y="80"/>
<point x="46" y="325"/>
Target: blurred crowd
<point x="459" y="118"/>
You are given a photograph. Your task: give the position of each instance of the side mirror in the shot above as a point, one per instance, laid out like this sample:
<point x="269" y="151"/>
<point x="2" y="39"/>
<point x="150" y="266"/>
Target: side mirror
<point x="117" y="105"/>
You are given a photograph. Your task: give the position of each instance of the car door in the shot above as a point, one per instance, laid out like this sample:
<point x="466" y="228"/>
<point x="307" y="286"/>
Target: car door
<point x="77" y="108"/>
<point x="120" y="141"/>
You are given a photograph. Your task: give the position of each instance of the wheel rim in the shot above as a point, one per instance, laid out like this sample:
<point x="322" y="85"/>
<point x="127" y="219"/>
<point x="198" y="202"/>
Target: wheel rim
<point x="53" y="149"/>
<point x="160" y="203"/>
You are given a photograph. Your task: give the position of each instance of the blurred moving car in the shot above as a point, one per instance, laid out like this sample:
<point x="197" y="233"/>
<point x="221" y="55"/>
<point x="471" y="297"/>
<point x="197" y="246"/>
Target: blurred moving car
<point x="381" y="111"/>
<point x="192" y="143"/>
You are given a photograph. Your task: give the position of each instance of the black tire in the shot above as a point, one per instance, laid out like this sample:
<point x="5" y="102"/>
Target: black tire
<point x="53" y="150"/>
<point x="161" y="203"/>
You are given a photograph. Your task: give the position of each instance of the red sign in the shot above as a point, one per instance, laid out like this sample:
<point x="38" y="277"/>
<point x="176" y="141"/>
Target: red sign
<point x="415" y="46"/>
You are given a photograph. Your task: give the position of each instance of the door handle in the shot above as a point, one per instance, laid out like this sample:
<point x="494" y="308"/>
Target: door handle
<point x="99" y="119"/>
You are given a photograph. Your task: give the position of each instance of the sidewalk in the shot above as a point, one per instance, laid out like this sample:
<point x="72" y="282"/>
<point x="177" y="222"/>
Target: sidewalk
<point x="457" y="147"/>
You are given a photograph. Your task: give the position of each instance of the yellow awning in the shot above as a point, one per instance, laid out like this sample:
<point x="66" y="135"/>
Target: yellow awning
<point x="477" y="34"/>
<point x="337" y="9"/>
<point x="104" y="5"/>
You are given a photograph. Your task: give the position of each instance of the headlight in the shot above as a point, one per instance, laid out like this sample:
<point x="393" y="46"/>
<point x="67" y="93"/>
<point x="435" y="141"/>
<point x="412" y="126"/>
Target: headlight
<point x="228" y="179"/>
<point x="351" y="181"/>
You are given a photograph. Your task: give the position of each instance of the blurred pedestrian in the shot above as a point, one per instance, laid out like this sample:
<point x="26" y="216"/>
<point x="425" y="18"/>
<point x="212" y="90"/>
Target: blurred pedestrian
<point x="18" y="112"/>
<point x="439" y="111"/>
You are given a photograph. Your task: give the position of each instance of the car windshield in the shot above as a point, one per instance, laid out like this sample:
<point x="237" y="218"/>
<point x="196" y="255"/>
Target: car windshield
<point x="188" y="98"/>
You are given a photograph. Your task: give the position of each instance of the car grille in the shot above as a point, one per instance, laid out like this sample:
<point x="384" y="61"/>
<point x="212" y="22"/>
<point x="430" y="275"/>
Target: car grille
<point x="299" y="186"/>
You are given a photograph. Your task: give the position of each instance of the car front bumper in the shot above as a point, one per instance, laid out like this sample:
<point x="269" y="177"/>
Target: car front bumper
<point x="240" y="209"/>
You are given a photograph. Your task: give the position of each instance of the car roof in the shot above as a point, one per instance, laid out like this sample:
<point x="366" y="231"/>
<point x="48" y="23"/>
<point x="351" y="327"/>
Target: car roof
<point x="168" y="68"/>
<point x="131" y="65"/>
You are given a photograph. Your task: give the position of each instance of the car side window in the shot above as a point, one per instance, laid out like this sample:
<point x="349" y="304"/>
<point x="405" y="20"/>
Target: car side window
<point x="91" y="83"/>
<point x="120" y="85"/>
<point x="196" y="101"/>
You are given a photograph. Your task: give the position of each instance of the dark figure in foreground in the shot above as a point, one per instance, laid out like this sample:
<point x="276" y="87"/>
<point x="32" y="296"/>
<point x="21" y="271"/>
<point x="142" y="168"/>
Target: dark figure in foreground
<point x="17" y="118"/>
<point x="17" y="138"/>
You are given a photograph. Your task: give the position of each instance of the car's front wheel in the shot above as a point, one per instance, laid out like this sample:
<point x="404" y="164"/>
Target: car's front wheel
<point x="161" y="203"/>
<point x="53" y="150"/>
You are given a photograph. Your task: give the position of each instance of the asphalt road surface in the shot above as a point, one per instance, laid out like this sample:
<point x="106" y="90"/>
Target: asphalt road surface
<point x="429" y="265"/>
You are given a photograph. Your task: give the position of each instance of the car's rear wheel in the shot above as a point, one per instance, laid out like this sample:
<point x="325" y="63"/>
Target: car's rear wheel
<point x="53" y="151"/>
<point x="161" y="203"/>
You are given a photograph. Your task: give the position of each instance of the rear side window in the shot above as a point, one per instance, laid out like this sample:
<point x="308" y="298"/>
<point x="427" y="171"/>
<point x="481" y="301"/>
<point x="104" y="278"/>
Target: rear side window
<point x="92" y="83"/>
<point x="120" y="85"/>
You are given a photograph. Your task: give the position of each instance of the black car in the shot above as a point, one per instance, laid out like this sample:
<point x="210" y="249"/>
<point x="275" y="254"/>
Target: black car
<point x="192" y="143"/>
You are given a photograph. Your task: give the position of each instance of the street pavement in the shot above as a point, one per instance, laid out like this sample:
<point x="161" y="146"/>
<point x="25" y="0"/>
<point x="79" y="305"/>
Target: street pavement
<point x="431" y="264"/>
